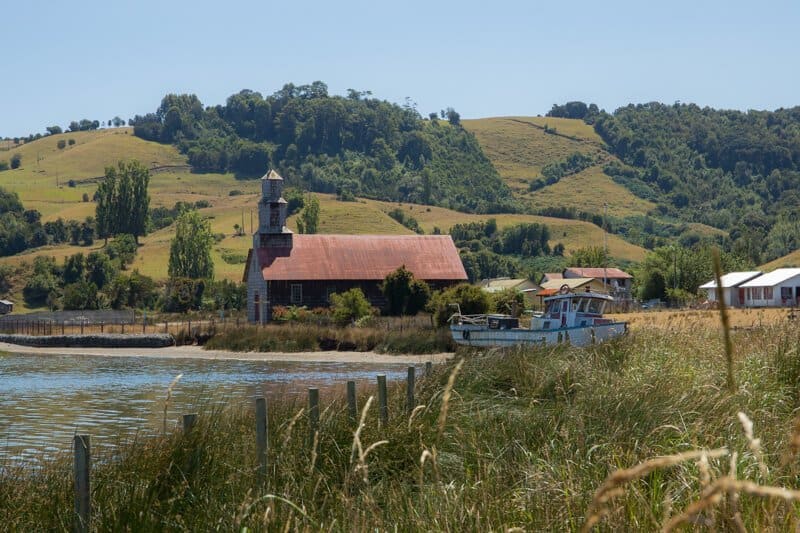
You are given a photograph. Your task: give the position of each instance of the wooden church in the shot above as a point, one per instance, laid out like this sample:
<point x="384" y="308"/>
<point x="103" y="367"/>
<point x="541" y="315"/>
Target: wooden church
<point x="284" y="268"/>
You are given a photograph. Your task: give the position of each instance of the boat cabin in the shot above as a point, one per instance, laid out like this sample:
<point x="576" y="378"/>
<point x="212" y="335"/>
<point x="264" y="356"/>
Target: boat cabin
<point x="573" y="310"/>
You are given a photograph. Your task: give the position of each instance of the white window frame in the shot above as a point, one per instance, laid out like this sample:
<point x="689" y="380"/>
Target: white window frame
<point x="296" y="293"/>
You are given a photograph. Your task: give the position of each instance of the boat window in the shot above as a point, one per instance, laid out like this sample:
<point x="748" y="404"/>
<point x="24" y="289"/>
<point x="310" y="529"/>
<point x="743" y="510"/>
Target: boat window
<point x="584" y="304"/>
<point x="565" y="306"/>
<point x="596" y="306"/>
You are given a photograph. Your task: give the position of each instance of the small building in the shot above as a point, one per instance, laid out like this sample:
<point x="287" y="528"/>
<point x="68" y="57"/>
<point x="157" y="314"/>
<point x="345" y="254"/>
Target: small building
<point x="779" y="288"/>
<point x="523" y="285"/>
<point x="549" y="288"/>
<point x="732" y="291"/>
<point x="6" y="307"/>
<point x="617" y="283"/>
<point x="285" y="269"/>
<point x="550" y="276"/>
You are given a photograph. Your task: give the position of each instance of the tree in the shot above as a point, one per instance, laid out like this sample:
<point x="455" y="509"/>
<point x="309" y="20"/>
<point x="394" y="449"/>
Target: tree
<point x="308" y="220"/>
<point x="16" y="161"/>
<point x="349" y="306"/>
<point x="80" y="295"/>
<point x="122" y="200"/>
<point x="453" y="117"/>
<point x="470" y="299"/>
<point x="405" y="294"/>
<point x="190" y="250"/>
<point x="54" y="130"/>
<point x="591" y="256"/>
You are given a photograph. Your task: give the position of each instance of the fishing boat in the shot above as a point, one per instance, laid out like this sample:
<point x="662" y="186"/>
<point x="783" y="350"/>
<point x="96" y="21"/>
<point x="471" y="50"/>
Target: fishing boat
<point x="569" y="317"/>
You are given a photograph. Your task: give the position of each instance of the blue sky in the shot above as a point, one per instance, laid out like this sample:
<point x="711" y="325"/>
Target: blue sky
<point x="89" y="59"/>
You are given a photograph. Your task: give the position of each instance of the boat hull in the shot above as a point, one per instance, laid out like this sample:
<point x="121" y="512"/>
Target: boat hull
<point x="482" y="336"/>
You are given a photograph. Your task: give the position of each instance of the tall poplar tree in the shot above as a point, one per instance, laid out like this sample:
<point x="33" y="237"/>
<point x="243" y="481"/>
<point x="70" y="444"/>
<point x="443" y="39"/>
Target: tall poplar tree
<point x="190" y="250"/>
<point x="122" y="200"/>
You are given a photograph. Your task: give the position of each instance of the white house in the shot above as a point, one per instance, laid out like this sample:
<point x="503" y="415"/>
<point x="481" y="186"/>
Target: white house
<point x="781" y="287"/>
<point x="733" y="294"/>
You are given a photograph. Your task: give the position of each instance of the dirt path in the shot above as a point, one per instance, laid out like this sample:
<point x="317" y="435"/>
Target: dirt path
<point x="196" y="352"/>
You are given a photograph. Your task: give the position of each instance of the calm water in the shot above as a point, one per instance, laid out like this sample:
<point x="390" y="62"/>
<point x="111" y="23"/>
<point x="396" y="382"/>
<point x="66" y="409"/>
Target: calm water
<point x="45" y="400"/>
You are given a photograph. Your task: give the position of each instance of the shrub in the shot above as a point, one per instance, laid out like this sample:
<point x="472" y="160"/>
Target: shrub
<point x="62" y="144"/>
<point x="235" y="192"/>
<point x="16" y="161"/>
<point x="508" y="301"/>
<point x="123" y="247"/>
<point x="350" y="305"/>
<point x="470" y="299"/>
<point x="4" y="165"/>
<point x="70" y="141"/>
<point x="405" y="294"/>
<point x="183" y="294"/>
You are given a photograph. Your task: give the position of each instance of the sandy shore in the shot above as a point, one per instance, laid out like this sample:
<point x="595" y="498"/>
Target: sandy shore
<point x="196" y="352"/>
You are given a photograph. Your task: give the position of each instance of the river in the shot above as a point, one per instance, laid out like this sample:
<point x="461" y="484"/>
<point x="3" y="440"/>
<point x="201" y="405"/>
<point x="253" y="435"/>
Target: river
<point x="46" y="399"/>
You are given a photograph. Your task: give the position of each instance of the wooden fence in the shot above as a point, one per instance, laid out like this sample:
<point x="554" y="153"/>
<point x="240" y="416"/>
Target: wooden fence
<point x="82" y="450"/>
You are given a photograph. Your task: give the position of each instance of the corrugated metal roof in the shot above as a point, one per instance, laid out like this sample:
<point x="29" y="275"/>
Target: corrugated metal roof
<point x="362" y="257"/>
<point x="6" y="302"/>
<point x="598" y="273"/>
<point x="732" y="279"/>
<point x="779" y="275"/>
<point x="500" y="284"/>
<point x="547" y="292"/>
<point x="572" y="283"/>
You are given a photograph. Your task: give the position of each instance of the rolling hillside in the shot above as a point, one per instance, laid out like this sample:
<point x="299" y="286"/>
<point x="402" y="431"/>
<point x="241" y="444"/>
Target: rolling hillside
<point x="43" y="183"/>
<point x="519" y="147"/>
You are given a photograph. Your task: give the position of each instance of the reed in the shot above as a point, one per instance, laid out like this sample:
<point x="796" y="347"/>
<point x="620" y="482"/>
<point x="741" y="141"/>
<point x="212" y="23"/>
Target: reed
<point x="627" y="435"/>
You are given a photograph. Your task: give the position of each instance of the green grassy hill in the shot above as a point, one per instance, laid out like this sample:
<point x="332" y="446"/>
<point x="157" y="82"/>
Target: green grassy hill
<point x="519" y="147"/>
<point x="44" y="183"/>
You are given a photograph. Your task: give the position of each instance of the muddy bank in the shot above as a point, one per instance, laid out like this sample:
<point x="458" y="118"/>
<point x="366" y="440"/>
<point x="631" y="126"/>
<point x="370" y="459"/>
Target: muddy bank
<point x="98" y="340"/>
<point x="196" y="352"/>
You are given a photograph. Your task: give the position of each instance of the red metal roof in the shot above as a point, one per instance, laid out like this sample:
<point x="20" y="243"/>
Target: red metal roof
<point x="597" y="273"/>
<point x="547" y="292"/>
<point x="362" y="257"/>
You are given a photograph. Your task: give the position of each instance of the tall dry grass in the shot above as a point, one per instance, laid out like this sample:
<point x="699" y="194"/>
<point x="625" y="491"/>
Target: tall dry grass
<point x="627" y="435"/>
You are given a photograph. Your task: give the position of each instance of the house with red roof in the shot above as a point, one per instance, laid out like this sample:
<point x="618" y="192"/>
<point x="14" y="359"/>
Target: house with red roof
<point x="617" y="283"/>
<point x="284" y="268"/>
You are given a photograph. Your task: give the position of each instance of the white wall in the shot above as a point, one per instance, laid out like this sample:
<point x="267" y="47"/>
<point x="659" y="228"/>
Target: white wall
<point x="754" y="299"/>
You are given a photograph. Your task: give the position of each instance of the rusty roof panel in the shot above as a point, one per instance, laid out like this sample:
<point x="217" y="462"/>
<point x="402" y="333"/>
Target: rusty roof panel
<point x="598" y="273"/>
<point x="362" y="257"/>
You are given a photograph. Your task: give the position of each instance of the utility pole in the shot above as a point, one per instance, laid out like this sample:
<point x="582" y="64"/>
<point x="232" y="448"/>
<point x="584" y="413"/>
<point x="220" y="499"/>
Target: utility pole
<point x="605" y="246"/>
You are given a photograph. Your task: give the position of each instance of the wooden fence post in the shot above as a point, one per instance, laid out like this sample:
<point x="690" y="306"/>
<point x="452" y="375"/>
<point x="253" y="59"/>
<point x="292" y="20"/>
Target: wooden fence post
<point x="83" y="464"/>
<point x="262" y="442"/>
<point x="188" y="422"/>
<point x="313" y="415"/>
<point x="166" y="327"/>
<point x="410" y="404"/>
<point x="352" y="407"/>
<point x="62" y="327"/>
<point x="428" y="367"/>
<point x="382" y="401"/>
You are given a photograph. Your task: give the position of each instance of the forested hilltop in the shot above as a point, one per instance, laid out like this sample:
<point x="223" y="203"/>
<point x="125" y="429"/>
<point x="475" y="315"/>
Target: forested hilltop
<point x="737" y="171"/>
<point x="352" y="146"/>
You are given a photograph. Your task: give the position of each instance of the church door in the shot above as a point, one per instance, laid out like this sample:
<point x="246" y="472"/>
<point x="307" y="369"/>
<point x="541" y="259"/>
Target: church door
<point x="257" y="304"/>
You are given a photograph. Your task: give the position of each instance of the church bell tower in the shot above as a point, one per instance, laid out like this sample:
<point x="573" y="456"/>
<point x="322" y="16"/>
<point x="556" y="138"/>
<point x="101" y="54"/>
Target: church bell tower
<point x="272" y="231"/>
